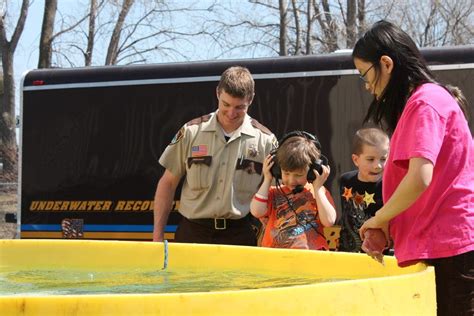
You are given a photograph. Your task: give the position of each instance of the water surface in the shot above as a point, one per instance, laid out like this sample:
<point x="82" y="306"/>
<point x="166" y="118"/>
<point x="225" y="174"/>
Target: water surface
<point x="79" y="282"/>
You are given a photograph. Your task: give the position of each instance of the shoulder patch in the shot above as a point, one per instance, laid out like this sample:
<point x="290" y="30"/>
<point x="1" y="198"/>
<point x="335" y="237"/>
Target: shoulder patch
<point x="179" y="135"/>
<point x="260" y="127"/>
<point x="199" y="120"/>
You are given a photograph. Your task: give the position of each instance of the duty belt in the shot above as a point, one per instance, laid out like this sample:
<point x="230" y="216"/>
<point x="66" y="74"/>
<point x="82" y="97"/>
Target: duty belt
<point x="219" y="223"/>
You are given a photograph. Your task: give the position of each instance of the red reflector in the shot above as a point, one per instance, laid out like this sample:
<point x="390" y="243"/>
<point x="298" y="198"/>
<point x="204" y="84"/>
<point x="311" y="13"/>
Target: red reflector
<point x="38" y="82"/>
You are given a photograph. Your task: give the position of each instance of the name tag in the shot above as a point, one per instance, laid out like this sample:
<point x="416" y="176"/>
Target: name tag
<point x="199" y="160"/>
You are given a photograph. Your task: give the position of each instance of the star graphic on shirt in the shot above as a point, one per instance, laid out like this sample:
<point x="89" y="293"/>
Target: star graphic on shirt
<point x="358" y="198"/>
<point x="369" y="198"/>
<point x="347" y="193"/>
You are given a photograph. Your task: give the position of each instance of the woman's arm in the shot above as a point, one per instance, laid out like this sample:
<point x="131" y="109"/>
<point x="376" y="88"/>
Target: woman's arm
<point x="415" y="182"/>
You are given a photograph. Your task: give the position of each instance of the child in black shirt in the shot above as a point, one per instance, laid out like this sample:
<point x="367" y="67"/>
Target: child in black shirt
<point x="361" y="189"/>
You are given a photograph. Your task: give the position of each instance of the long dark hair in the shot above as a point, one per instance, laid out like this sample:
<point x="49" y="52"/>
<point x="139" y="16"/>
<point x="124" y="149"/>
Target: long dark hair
<point x="409" y="71"/>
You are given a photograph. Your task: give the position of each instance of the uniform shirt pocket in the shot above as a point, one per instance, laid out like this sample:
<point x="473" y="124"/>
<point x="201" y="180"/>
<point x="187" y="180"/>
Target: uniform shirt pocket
<point x="198" y="172"/>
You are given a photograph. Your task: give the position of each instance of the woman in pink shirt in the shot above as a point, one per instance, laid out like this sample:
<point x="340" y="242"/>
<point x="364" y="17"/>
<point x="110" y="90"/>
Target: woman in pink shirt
<point x="428" y="182"/>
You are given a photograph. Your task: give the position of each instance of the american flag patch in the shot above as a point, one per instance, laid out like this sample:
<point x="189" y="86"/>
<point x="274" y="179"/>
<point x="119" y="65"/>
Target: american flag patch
<point x="200" y="150"/>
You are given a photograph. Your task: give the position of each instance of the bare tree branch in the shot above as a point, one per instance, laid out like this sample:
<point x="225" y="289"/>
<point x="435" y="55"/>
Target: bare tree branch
<point x="111" y="58"/>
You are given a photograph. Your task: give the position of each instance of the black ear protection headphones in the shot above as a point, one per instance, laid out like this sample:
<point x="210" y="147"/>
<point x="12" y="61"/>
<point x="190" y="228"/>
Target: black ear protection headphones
<point x="316" y="164"/>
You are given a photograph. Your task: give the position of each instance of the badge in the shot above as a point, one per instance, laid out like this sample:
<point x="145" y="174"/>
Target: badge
<point x="179" y="135"/>
<point x="252" y="151"/>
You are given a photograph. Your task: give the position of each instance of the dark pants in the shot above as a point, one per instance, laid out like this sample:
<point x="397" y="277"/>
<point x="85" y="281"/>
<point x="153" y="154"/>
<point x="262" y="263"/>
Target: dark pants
<point x="454" y="284"/>
<point x="240" y="233"/>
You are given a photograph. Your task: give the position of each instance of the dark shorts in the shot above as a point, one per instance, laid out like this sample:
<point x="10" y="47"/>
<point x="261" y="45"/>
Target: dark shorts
<point x="454" y="284"/>
<point x="204" y="232"/>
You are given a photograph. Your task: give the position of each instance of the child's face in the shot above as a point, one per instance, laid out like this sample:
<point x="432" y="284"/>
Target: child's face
<point x="293" y="178"/>
<point x="371" y="162"/>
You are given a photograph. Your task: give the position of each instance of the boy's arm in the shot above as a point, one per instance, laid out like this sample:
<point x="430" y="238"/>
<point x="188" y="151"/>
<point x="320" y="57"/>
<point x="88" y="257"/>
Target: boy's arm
<point x="326" y="210"/>
<point x="258" y="205"/>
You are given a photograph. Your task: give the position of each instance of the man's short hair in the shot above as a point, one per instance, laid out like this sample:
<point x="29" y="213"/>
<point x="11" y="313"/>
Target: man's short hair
<point x="371" y="136"/>
<point x="238" y="82"/>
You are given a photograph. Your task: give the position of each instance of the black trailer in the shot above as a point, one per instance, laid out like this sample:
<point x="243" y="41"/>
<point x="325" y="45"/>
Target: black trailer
<point x="91" y="137"/>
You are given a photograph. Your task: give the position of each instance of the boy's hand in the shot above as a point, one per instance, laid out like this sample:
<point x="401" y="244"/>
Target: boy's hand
<point x="321" y="178"/>
<point x="267" y="166"/>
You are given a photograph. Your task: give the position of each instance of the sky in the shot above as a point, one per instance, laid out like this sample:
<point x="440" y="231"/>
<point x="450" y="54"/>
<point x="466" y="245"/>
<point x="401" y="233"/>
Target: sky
<point x="26" y="55"/>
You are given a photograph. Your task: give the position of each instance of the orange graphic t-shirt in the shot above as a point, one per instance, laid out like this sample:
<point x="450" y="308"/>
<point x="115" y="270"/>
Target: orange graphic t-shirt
<point x="292" y="220"/>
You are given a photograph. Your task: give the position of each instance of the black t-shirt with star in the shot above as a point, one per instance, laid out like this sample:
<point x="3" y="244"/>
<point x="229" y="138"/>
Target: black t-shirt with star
<point x="359" y="201"/>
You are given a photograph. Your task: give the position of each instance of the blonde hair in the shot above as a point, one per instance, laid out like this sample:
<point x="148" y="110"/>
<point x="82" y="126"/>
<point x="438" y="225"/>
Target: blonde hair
<point x="371" y="136"/>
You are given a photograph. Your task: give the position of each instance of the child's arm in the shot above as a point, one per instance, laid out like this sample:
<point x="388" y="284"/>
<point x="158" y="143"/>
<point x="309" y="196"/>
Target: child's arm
<point x="326" y="210"/>
<point x="258" y="205"/>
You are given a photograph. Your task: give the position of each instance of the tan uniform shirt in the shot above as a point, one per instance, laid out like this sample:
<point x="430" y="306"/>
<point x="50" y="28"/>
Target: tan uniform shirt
<point x="221" y="177"/>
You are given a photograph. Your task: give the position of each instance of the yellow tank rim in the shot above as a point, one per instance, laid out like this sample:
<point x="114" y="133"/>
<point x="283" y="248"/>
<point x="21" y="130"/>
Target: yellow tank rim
<point x="370" y="288"/>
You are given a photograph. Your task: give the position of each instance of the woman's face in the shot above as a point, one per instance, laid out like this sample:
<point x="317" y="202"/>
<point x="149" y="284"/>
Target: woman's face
<point x="375" y="78"/>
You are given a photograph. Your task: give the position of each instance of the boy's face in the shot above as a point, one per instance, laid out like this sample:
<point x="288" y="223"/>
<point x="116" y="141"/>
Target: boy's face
<point x="293" y="178"/>
<point x="371" y="162"/>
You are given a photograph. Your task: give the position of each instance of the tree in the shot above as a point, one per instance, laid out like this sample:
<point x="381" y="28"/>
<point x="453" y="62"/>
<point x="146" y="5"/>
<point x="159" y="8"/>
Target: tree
<point x="127" y="31"/>
<point x="351" y="23"/>
<point x="283" y="27"/>
<point x="47" y="33"/>
<point x="440" y="23"/>
<point x="113" y="50"/>
<point x="45" y="47"/>
<point x="277" y="28"/>
<point x="91" y="34"/>
<point x="8" y="146"/>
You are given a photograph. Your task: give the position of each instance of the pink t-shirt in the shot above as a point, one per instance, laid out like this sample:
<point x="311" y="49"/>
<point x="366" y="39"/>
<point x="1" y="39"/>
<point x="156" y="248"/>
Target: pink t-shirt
<point x="441" y="222"/>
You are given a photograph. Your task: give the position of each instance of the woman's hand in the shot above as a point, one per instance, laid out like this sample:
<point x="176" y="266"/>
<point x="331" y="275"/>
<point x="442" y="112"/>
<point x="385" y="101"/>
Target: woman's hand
<point x="375" y="243"/>
<point x="375" y="222"/>
<point x="267" y="166"/>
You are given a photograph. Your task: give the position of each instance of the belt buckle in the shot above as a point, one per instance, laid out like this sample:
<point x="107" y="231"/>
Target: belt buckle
<point x="220" y="223"/>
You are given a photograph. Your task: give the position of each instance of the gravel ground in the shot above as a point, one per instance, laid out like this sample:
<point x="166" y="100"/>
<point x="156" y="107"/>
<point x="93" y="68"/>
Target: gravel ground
<point x="8" y="204"/>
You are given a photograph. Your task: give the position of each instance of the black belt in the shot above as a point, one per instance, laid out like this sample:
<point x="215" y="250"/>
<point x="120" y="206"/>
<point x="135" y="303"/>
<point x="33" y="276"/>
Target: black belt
<point x="219" y="223"/>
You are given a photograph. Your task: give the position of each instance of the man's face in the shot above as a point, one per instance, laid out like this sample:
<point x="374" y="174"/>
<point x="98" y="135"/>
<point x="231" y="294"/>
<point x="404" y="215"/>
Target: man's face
<point x="232" y="111"/>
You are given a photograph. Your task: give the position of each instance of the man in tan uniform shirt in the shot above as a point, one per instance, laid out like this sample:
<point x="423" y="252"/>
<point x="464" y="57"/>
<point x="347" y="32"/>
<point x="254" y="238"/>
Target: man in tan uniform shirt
<point x="221" y="156"/>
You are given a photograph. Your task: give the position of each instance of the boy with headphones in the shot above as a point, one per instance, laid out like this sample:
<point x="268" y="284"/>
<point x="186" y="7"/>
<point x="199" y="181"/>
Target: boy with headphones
<point x="295" y="211"/>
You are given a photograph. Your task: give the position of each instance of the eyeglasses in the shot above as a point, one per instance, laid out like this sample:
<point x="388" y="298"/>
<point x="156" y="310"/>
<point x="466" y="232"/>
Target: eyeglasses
<point x="362" y="77"/>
